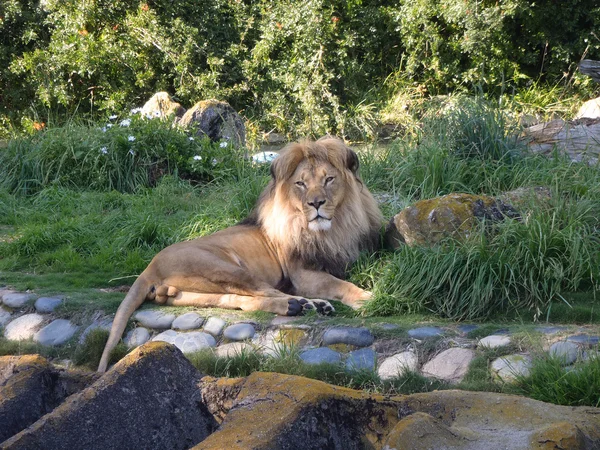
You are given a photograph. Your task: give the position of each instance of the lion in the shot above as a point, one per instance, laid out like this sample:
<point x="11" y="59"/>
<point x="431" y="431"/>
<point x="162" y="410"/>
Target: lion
<point x="310" y="223"/>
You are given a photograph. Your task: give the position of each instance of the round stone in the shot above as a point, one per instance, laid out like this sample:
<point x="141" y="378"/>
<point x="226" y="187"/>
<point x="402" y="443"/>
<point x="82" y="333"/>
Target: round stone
<point x="47" y="304"/>
<point x="17" y="299"/>
<point x="102" y="324"/>
<point x="425" y="332"/>
<point x="359" y="337"/>
<point x="566" y="352"/>
<point x="136" y="337"/>
<point x="4" y="317"/>
<point x="362" y="359"/>
<point x="509" y="368"/>
<point x="451" y="365"/>
<point x="396" y="365"/>
<point x="239" y="332"/>
<point x="214" y="326"/>
<point x="187" y="342"/>
<point x="187" y="321"/>
<point x="320" y="355"/>
<point x="233" y="349"/>
<point x="23" y="327"/>
<point x="154" y="319"/>
<point x="494" y="341"/>
<point x="584" y="339"/>
<point x="56" y="332"/>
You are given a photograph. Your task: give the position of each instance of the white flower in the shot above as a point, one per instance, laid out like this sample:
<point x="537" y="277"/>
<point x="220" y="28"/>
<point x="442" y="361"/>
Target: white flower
<point x="197" y="158"/>
<point x="104" y="150"/>
<point x="109" y="125"/>
<point x="104" y="129"/>
<point x="223" y="144"/>
<point x="214" y="162"/>
<point x="113" y="117"/>
<point x="191" y="138"/>
<point x="131" y="152"/>
<point x="125" y="123"/>
<point x="135" y="111"/>
<point x="157" y="114"/>
<point x="131" y="138"/>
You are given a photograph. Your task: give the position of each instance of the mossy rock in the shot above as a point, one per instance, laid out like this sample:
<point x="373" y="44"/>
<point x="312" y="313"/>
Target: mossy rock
<point x="161" y="105"/>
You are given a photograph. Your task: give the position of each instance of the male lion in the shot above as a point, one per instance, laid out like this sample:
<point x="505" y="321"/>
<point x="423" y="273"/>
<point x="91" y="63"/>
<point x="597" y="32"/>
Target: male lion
<point x="310" y="223"/>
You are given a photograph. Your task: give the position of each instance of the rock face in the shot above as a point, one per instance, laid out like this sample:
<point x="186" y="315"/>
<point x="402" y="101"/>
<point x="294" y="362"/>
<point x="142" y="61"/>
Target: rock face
<point x="150" y="399"/>
<point x="453" y="215"/>
<point x="217" y="120"/>
<point x="161" y="105"/>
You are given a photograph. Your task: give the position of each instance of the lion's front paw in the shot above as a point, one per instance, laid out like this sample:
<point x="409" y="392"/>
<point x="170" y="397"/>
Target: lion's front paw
<point x="298" y="306"/>
<point x="358" y="299"/>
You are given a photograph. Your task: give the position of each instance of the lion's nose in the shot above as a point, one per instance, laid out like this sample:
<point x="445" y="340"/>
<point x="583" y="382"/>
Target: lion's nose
<point x="317" y="203"/>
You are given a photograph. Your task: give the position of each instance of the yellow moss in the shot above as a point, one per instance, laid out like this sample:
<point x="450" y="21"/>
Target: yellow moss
<point x="559" y="435"/>
<point x="290" y="336"/>
<point x="342" y="348"/>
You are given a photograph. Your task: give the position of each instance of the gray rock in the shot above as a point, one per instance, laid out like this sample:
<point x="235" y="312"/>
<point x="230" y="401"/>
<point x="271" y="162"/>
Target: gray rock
<point x="425" y="332"/>
<point x="214" y="326"/>
<point x="396" y="365"/>
<point x="494" y="341"/>
<point x="467" y="328"/>
<point x="550" y="330"/>
<point x="17" y="300"/>
<point x="4" y="317"/>
<point x="136" y="337"/>
<point x="320" y="355"/>
<point x="187" y="342"/>
<point x="187" y="321"/>
<point x="4" y="292"/>
<point x="154" y="319"/>
<point x="584" y="339"/>
<point x="564" y="351"/>
<point x="23" y="327"/>
<point x="47" y="304"/>
<point x="217" y="120"/>
<point x="55" y="333"/>
<point x="359" y="337"/>
<point x="102" y="324"/>
<point x="233" y="349"/>
<point x="264" y="157"/>
<point x="239" y="332"/>
<point x="362" y="359"/>
<point x="451" y="365"/>
<point x="509" y="368"/>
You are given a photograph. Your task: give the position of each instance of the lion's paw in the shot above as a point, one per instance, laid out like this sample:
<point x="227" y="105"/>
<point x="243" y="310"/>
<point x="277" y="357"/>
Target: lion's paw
<point x="163" y="292"/>
<point x="298" y="306"/>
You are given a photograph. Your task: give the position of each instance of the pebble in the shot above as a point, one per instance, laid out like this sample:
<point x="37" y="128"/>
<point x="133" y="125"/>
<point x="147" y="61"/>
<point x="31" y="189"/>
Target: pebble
<point x="359" y="337"/>
<point x="47" y="304"/>
<point x="154" y="319"/>
<point x="509" y="368"/>
<point x="396" y="365"/>
<point x="17" y="300"/>
<point x="425" y="332"/>
<point x="23" y="327"/>
<point x="233" y="349"/>
<point x="239" y="332"/>
<point x="102" y="324"/>
<point x="320" y="355"/>
<point x="56" y="332"/>
<point x="136" y="337"/>
<point x="494" y="341"/>
<point x="214" y="326"/>
<point x="187" y="321"/>
<point x="584" y="339"/>
<point x="362" y="359"/>
<point x="451" y="365"/>
<point x="564" y="351"/>
<point x="187" y="342"/>
<point x="4" y="317"/>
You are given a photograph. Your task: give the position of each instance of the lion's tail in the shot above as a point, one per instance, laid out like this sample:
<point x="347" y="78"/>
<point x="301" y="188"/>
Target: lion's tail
<point x="133" y="300"/>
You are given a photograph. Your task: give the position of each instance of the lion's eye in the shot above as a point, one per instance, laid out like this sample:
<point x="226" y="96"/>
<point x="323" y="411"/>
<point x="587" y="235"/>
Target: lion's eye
<point x="329" y="180"/>
<point x="300" y="184"/>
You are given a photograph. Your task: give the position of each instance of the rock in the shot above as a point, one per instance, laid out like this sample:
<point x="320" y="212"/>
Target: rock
<point x="362" y="359"/>
<point x="584" y="339"/>
<point x="275" y="138"/>
<point x="494" y="341"/>
<point x="157" y="319"/>
<point x="187" y="321"/>
<point x="239" y="332"/>
<point x="283" y="320"/>
<point x="425" y="332"/>
<point x="136" y="337"/>
<point x="233" y="349"/>
<point x="359" y="337"/>
<point x="550" y="330"/>
<point x="45" y="305"/>
<point x="264" y="157"/>
<point x="453" y="215"/>
<point x="4" y="317"/>
<point x="4" y="291"/>
<point x="187" y="342"/>
<point x="55" y="333"/>
<point x="451" y="365"/>
<point x="509" y="368"/>
<point x="396" y="365"/>
<point x="161" y="105"/>
<point x="564" y="351"/>
<point x="214" y="326"/>
<point x="422" y="431"/>
<point x="17" y="300"/>
<point x="217" y="120"/>
<point x="102" y="324"/>
<point x="589" y="110"/>
<point x="23" y="327"/>
<point x="525" y="197"/>
<point x="150" y="399"/>
<point x="320" y="355"/>
<point x="466" y="329"/>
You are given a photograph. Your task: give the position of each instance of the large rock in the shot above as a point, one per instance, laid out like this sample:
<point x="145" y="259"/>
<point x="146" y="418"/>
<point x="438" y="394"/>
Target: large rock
<point x="161" y="105"/>
<point x="150" y="399"/>
<point x="453" y="215"/>
<point x="451" y="365"/>
<point x="217" y="120"/>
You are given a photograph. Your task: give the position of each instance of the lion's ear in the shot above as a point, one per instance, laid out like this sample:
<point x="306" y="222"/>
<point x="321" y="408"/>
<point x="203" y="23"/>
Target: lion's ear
<point x="286" y="163"/>
<point x="352" y="161"/>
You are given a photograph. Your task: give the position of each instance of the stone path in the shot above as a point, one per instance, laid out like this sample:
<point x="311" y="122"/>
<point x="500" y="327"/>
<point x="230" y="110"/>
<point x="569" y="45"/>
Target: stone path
<point x="443" y="352"/>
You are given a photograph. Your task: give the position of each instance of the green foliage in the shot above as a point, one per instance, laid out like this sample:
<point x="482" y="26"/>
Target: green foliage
<point x="88" y="353"/>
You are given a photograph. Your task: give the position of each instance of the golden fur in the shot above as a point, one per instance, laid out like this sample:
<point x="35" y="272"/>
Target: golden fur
<point x="310" y="223"/>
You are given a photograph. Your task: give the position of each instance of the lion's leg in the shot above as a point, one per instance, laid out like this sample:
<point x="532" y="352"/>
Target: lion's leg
<point x="282" y="304"/>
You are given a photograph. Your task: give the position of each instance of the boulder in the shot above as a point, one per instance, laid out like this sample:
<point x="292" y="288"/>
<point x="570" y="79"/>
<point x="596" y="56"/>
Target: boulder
<point x="216" y="120"/>
<point x="161" y="105"/>
<point x="450" y="216"/>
